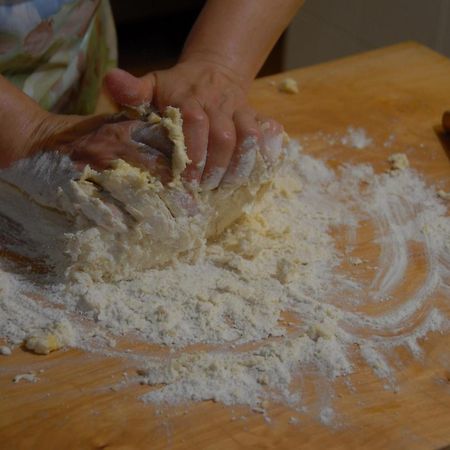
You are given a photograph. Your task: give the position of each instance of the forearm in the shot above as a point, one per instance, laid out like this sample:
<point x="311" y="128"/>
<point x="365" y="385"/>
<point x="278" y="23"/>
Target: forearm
<point x="19" y="119"/>
<point x="238" y="34"/>
<point x="26" y="128"/>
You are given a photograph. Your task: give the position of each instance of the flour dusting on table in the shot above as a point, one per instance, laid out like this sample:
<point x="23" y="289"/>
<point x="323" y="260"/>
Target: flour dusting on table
<point x="265" y="302"/>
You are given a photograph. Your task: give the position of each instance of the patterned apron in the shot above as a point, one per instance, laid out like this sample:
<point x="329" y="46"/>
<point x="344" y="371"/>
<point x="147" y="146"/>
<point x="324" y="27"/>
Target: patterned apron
<point x="57" y="51"/>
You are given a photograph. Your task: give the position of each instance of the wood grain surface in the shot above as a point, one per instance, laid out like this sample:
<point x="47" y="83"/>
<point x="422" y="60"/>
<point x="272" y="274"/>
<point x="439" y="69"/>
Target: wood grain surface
<point x="403" y="90"/>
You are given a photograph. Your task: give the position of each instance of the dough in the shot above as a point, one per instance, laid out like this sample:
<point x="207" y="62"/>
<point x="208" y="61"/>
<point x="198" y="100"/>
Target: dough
<point x="398" y="161"/>
<point x="113" y="223"/>
<point x="289" y="86"/>
<point x="56" y="336"/>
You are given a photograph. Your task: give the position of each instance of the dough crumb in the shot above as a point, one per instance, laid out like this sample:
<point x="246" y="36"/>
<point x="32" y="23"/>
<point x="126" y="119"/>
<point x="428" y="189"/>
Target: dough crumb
<point x="294" y="421"/>
<point x="355" y="261"/>
<point x="444" y="195"/>
<point x="5" y="351"/>
<point x="398" y="161"/>
<point x="154" y="118"/>
<point x="47" y="340"/>
<point x="173" y="123"/>
<point x="30" y="377"/>
<point x="288" y="86"/>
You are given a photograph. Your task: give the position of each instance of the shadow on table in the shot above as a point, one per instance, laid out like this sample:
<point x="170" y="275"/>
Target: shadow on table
<point x="444" y="137"/>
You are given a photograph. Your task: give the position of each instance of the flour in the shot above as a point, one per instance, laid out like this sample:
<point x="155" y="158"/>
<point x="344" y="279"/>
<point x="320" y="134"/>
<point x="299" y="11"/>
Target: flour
<point x="356" y="138"/>
<point x="266" y="300"/>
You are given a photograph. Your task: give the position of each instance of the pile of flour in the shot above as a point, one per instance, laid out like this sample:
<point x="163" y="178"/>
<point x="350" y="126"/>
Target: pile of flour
<point x="270" y="299"/>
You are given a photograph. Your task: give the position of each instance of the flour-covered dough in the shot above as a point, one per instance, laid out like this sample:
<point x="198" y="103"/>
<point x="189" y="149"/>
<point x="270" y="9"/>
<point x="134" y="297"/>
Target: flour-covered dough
<point x="109" y="224"/>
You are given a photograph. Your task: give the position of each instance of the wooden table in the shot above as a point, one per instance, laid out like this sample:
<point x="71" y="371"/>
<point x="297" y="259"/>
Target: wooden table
<point x="405" y="89"/>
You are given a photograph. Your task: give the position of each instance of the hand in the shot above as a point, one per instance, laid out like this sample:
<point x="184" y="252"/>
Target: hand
<point x="220" y="128"/>
<point x="101" y="139"/>
<point x="96" y="140"/>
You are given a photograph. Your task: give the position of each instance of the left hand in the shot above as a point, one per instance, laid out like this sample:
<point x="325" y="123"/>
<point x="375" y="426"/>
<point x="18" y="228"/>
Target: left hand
<point x="218" y="124"/>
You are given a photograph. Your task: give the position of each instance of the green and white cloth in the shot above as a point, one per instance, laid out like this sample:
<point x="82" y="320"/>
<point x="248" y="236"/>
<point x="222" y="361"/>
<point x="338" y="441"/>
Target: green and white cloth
<point x="57" y="51"/>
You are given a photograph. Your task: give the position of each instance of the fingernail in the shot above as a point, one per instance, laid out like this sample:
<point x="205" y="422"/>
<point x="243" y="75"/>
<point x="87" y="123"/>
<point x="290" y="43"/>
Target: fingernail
<point x="212" y="180"/>
<point x="239" y="174"/>
<point x="271" y="147"/>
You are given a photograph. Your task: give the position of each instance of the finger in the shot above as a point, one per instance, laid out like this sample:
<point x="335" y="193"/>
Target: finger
<point x="141" y="156"/>
<point x="221" y="143"/>
<point x="153" y="135"/>
<point x="156" y="164"/>
<point x="196" y="130"/>
<point x="113" y="142"/>
<point x="127" y="89"/>
<point x="271" y="140"/>
<point x="248" y="138"/>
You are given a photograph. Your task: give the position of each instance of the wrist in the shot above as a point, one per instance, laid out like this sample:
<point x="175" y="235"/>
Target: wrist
<point x="216" y="63"/>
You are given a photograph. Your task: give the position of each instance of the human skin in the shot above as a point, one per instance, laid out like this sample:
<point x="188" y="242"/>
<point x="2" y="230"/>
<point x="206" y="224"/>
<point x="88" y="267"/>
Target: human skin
<point x="222" y="55"/>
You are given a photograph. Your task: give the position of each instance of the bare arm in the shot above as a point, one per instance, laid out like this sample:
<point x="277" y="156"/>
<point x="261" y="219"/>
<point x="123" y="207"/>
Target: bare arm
<point x="20" y="117"/>
<point x="239" y="34"/>
<point x="26" y="128"/>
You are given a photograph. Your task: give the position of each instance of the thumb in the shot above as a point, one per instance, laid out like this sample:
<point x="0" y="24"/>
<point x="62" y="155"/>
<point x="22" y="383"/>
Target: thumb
<point x="127" y="89"/>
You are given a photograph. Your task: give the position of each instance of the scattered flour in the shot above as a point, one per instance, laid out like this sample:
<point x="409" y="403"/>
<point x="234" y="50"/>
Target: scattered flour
<point x="356" y="138"/>
<point x="266" y="299"/>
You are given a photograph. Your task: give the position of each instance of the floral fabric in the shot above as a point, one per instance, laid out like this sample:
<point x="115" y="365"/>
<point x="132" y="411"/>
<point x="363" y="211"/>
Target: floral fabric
<point x="57" y="51"/>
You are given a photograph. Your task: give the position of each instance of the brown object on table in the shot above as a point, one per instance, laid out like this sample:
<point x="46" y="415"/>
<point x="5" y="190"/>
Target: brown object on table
<point x="398" y="91"/>
<point x="446" y="121"/>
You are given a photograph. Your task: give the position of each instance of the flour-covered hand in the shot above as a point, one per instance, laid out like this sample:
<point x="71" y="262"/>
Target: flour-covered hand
<point x="220" y="128"/>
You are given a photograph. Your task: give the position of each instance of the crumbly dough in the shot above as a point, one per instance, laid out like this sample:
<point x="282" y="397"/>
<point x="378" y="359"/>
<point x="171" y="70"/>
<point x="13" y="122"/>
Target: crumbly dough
<point x="444" y="195"/>
<point x="112" y="223"/>
<point x="173" y="123"/>
<point x="56" y="336"/>
<point x="288" y="86"/>
<point x="30" y="377"/>
<point x="398" y="161"/>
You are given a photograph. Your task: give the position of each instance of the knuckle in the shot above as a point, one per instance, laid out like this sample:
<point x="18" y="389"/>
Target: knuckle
<point x="225" y="138"/>
<point x="194" y="115"/>
<point x="251" y="131"/>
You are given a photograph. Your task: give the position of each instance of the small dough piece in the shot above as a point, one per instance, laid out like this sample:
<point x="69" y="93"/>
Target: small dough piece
<point x="288" y="86"/>
<point x="5" y="351"/>
<point x="398" y="161"/>
<point x="153" y="118"/>
<point x="30" y="377"/>
<point x="56" y="336"/>
<point x="444" y="195"/>
<point x="173" y="123"/>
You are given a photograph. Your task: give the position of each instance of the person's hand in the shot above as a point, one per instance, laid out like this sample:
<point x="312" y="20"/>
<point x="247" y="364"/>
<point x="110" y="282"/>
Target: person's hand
<point x="97" y="141"/>
<point x="221" y="130"/>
